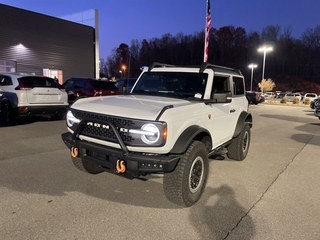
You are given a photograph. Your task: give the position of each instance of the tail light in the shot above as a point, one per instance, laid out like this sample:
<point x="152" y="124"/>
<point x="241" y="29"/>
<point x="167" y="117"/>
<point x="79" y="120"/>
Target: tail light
<point x="97" y="92"/>
<point x="22" y="86"/>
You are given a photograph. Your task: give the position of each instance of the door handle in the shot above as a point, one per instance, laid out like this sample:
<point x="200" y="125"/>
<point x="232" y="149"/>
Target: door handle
<point x="232" y="110"/>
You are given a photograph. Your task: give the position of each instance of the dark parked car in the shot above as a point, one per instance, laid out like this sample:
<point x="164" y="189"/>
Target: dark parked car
<point x="253" y="97"/>
<point x="317" y="107"/>
<point x="125" y="84"/>
<point x="312" y="103"/>
<point x="88" y="87"/>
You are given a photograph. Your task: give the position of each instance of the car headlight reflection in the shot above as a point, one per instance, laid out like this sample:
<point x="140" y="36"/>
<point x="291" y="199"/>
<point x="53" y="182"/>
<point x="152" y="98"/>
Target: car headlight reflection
<point x="71" y="119"/>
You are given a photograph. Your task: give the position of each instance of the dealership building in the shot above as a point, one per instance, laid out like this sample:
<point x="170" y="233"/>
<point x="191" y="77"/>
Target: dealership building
<point x="35" y="43"/>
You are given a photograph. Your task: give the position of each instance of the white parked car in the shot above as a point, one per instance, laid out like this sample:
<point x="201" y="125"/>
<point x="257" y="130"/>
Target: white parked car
<point x="311" y="96"/>
<point x="298" y="95"/>
<point x="269" y="95"/>
<point x="27" y="95"/>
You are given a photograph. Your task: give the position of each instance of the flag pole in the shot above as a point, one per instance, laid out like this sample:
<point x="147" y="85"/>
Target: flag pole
<point x="207" y="31"/>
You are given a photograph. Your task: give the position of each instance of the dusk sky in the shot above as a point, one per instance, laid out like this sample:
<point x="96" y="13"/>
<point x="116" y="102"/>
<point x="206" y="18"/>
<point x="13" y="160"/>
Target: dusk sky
<point x="124" y="20"/>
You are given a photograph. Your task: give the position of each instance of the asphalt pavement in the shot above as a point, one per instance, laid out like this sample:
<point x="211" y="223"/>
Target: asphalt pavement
<point x="273" y="194"/>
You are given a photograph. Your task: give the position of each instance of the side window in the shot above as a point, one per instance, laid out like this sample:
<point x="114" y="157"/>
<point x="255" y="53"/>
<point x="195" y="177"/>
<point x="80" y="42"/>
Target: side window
<point x="68" y="84"/>
<point x="238" y="86"/>
<point x="5" y="81"/>
<point x="220" y="85"/>
<point x="79" y="84"/>
<point x="2" y="81"/>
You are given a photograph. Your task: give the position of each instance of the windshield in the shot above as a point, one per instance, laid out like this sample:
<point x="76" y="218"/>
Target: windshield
<point x="172" y="84"/>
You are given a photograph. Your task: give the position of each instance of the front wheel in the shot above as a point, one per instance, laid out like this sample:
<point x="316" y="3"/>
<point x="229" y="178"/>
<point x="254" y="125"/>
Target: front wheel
<point x="184" y="186"/>
<point x="239" y="147"/>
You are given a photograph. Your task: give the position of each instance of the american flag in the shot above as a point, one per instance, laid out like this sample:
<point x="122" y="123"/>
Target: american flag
<point x="207" y="31"/>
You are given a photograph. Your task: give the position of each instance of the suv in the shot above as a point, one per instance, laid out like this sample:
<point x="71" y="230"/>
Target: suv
<point x="173" y="120"/>
<point x="88" y="87"/>
<point x="269" y="95"/>
<point x="27" y="94"/>
<point x="252" y="97"/>
<point x="310" y="96"/>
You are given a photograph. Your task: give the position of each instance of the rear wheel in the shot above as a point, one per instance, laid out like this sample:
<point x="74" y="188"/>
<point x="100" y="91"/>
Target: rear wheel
<point x="85" y="166"/>
<point x="184" y="186"/>
<point x="7" y="112"/>
<point x="239" y="147"/>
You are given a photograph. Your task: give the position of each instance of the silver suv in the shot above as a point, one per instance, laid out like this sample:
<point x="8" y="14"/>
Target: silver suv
<point x="27" y="94"/>
<point x="173" y="119"/>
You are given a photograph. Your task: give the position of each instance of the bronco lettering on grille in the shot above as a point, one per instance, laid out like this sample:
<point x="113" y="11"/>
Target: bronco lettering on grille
<point x="98" y="125"/>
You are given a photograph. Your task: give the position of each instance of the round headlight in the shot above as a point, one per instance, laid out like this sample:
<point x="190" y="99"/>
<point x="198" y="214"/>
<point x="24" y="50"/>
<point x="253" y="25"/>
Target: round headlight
<point x="152" y="133"/>
<point x="71" y="119"/>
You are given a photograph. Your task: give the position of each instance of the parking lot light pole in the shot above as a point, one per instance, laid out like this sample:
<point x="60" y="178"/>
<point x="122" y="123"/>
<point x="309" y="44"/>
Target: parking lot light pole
<point x="120" y="73"/>
<point x="252" y="66"/>
<point x="264" y="49"/>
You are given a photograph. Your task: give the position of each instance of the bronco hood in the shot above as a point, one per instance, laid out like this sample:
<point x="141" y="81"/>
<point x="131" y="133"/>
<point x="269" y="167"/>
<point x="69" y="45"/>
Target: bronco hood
<point x="130" y="106"/>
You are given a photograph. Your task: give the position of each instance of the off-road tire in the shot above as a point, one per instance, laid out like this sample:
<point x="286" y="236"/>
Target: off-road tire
<point x="85" y="166"/>
<point x="184" y="186"/>
<point x="239" y="147"/>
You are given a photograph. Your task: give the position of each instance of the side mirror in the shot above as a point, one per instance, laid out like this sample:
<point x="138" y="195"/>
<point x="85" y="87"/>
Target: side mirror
<point x="222" y="97"/>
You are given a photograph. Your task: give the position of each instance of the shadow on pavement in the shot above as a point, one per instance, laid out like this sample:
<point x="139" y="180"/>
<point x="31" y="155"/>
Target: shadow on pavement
<point x="56" y="176"/>
<point x="305" y="138"/>
<point x="288" y="118"/>
<point x="218" y="213"/>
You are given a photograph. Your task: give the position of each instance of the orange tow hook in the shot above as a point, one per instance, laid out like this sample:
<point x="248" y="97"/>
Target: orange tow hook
<point x="120" y="166"/>
<point x="74" y="152"/>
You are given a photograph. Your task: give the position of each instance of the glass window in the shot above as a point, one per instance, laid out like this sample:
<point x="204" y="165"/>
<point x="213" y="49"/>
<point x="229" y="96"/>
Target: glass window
<point x="172" y="84"/>
<point x="8" y="66"/>
<point x="79" y="84"/>
<point x="5" y="81"/>
<point x="35" y="81"/>
<point x="238" y="86"/>
<point x="68" y="84"/>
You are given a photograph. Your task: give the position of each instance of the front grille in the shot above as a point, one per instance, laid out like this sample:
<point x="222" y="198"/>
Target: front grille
<point x="100" y="132"/>
<point x="116" y="121"/>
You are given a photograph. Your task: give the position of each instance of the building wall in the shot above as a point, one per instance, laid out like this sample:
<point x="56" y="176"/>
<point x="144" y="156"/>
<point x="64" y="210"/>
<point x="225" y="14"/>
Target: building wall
<point x="36" y="42"/>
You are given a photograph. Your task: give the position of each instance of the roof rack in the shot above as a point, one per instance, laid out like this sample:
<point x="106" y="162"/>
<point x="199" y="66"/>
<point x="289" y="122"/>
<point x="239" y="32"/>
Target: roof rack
<point x="203" y="66"/>
<point x="206" y="65"/>
<point x="157" y="64"/>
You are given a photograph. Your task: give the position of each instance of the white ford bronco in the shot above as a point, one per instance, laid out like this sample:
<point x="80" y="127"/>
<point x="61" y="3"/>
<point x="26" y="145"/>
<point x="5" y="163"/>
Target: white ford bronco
<point x="172" y="121"/>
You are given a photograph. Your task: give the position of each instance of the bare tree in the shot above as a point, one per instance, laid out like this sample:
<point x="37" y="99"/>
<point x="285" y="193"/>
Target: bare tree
<point x="311" y="37"/>
<point x="266" y="85"/>
<point x="270" y="33"/>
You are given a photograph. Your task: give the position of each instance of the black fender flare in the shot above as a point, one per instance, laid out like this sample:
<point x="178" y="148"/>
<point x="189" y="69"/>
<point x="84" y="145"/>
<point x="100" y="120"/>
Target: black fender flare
<point x="244" y="117"/>
<point x="186" y="137"/>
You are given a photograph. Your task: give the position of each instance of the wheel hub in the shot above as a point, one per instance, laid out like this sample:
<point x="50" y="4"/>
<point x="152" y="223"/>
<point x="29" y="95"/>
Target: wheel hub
<point x="245" y="141"/>
<point x="196" y="174"/>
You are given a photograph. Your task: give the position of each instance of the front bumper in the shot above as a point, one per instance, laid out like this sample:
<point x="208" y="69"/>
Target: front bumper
<point x="317" y="112"/>
<point x="106" y="158"/>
